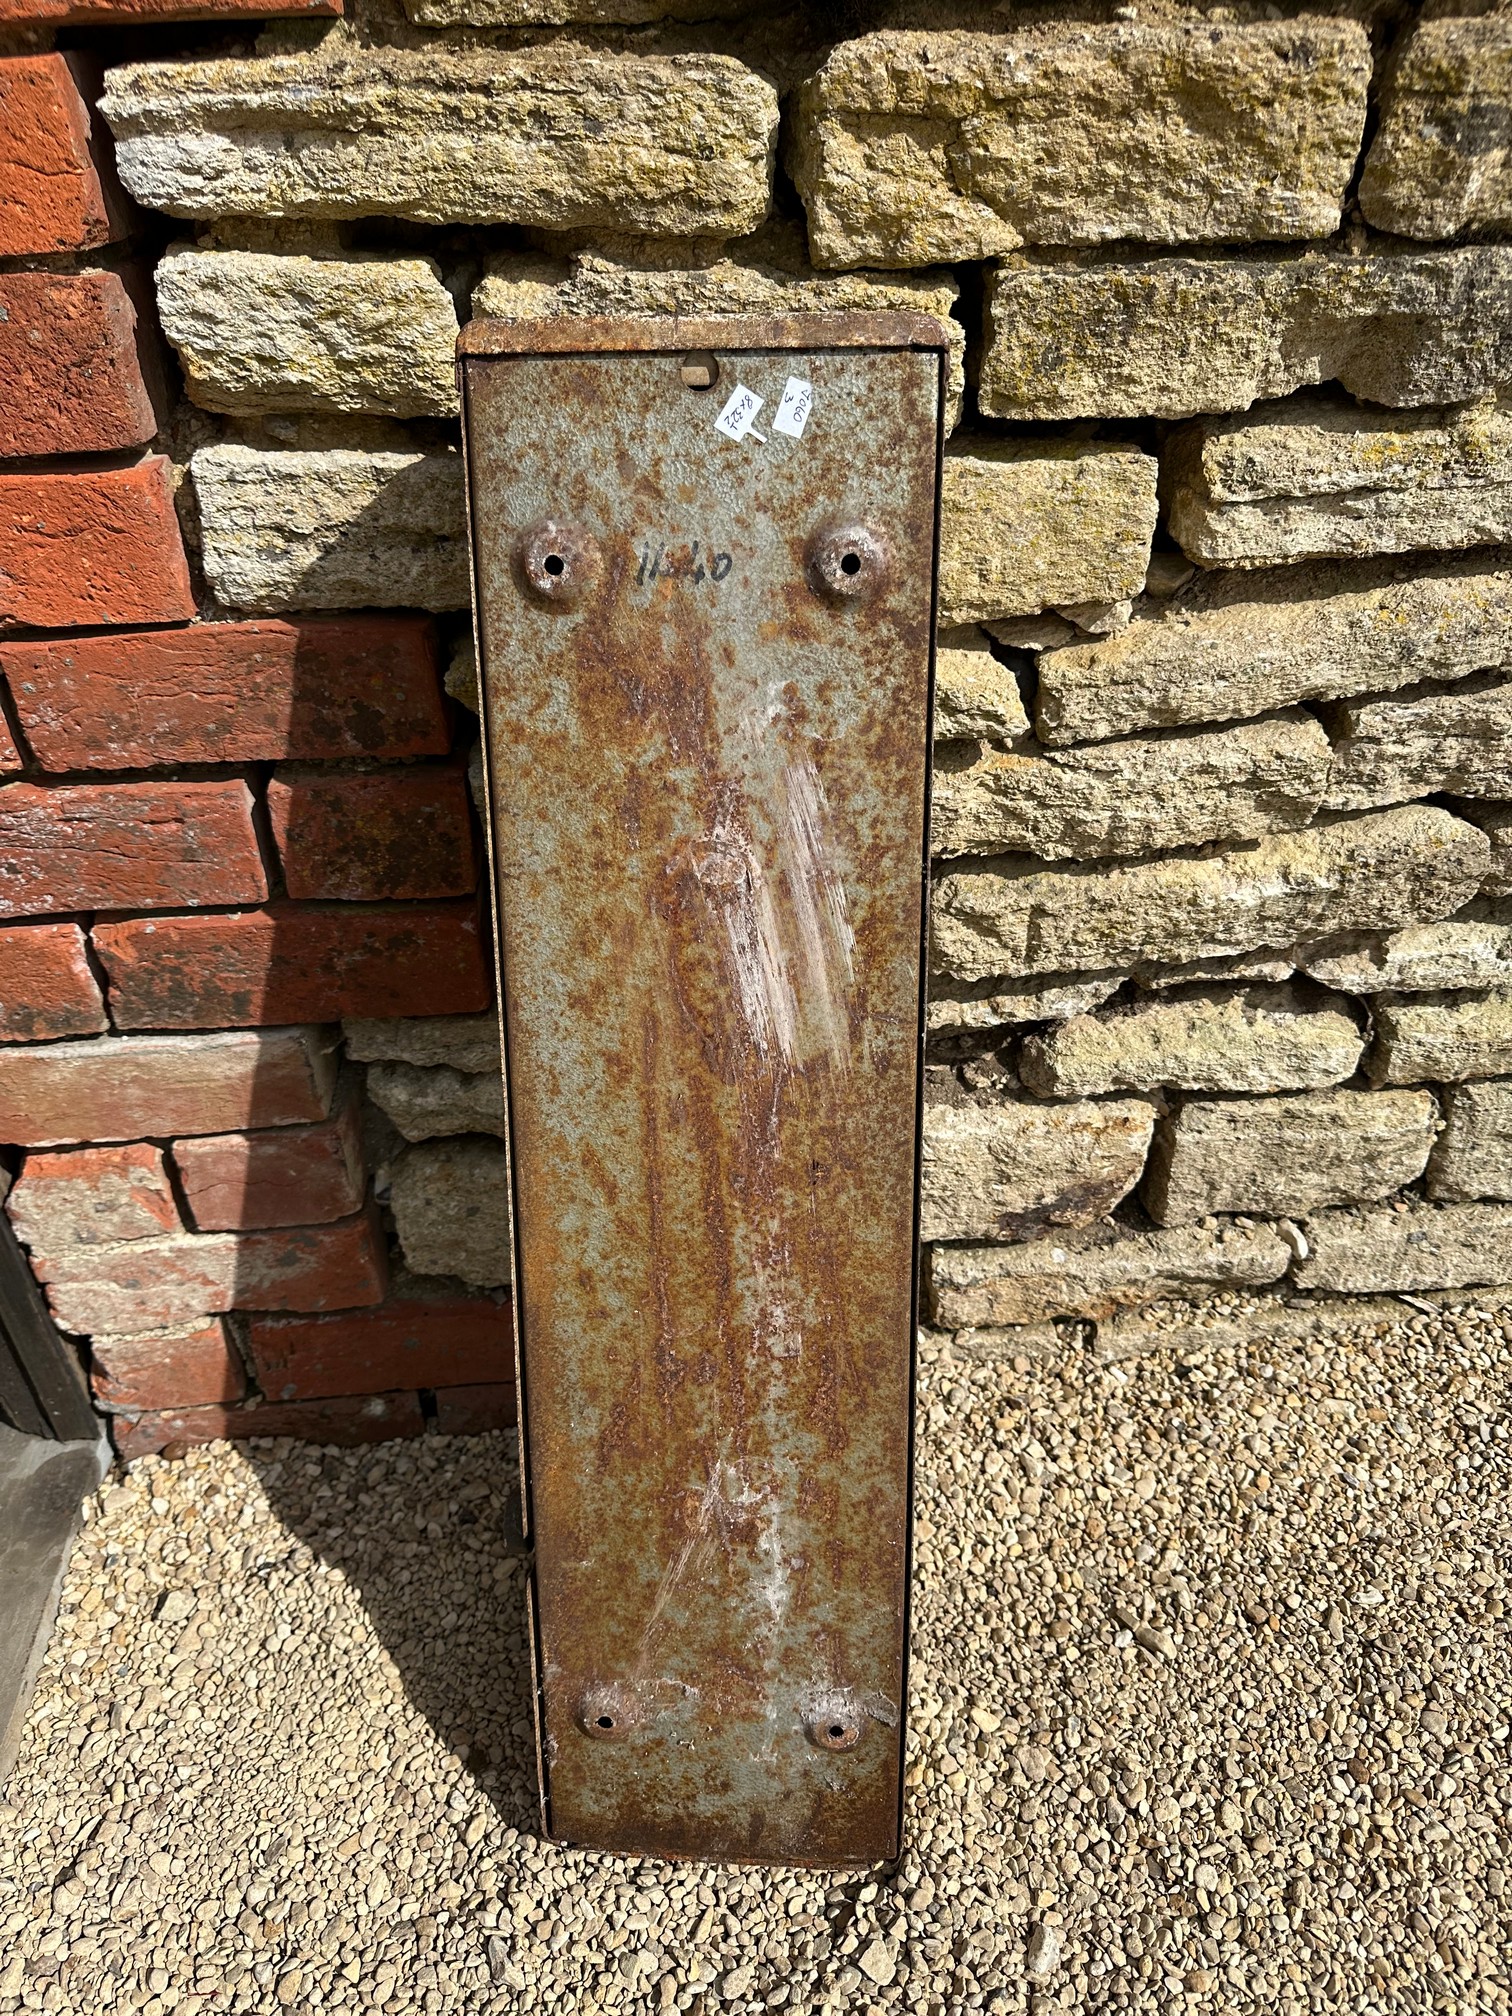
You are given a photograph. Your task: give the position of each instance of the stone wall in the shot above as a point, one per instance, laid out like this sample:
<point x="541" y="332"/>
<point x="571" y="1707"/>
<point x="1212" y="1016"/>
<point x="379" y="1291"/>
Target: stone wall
<point x="1222" y="944"/>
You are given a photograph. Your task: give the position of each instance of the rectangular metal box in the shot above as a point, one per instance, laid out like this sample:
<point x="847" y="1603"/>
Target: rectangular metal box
<point x="705" y="614"/>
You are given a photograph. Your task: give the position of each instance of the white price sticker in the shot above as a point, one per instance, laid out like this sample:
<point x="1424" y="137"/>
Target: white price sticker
<point x="739" y="415"/>
<point x="796" y="405"/>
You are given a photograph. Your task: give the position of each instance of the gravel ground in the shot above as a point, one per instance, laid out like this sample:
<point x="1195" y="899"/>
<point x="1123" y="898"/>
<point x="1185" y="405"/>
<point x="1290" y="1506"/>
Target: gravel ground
<point x="1211" y="1693"/>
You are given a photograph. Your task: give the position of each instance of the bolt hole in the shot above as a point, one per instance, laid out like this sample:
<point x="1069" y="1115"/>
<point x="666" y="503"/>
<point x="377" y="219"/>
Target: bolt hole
<point x="836" y="1730"/>
<point x="851" y="564"/>
<point x="604" y="1722"/>
<point x="554" y="563"/>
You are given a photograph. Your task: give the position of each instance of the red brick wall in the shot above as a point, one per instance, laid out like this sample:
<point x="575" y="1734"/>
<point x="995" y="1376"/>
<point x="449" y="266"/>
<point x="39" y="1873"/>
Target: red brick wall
<point x="217" y="839"/>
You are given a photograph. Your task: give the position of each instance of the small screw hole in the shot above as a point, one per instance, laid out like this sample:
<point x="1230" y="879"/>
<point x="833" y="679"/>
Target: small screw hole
<point x="605" y="1722"/>
<point x="554" y="563"/>
<point x="851" y="564"/>
<point x="837" y="1730"/>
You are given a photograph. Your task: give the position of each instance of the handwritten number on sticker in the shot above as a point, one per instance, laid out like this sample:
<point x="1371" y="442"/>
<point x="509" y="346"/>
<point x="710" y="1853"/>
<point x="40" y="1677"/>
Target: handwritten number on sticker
<point x="739" y="416"/>
<point x="793" y="410"/>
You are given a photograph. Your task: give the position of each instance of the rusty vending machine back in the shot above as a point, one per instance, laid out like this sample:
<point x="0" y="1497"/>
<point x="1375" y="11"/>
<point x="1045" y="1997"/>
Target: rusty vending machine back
<point x="704" y="558"/>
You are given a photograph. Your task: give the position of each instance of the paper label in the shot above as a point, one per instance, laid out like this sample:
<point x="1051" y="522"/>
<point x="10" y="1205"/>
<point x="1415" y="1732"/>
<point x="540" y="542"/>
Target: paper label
<point x="739" y="415"/>
<point x="796" y="405"/>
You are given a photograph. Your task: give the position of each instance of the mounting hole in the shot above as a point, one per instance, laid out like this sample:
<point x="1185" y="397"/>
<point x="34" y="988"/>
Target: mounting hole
<point x="845" y="563"/>
<point x="832" y="1730"/>
<point x="699" y="370"/>
<point x="607" y="1711"/>
<point x="557" y="562"/>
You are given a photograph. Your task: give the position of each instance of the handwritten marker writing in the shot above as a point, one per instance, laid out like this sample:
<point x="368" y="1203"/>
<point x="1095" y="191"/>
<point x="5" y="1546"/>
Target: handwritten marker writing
<point x="794" y="409"/>
<point x="739" y="415"/>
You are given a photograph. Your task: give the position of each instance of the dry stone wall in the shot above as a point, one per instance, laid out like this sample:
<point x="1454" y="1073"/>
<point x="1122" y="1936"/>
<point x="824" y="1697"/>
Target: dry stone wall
<point x="1221" y="991"/>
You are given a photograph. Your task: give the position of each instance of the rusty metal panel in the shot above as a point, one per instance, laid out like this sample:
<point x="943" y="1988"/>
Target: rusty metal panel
<point x="705" y="644"/>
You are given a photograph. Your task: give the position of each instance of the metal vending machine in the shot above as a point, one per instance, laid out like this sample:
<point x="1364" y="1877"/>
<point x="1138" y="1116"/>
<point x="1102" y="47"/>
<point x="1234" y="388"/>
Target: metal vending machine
<point x="704" y="564"/>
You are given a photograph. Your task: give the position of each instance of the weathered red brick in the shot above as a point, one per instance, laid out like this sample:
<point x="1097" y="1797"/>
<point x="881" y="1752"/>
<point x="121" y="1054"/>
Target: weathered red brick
<point x="326" y="687"/>
<point x="193" y="1365"/>
<point x="280" y="1176"/>
<point x="47" y="988"/>
<point x="337" y="1266"/>
<point x="382" y="1417"/>
<point x="448" y="1340"/>
<point x="92" y="546"/>
<point x="118" y="1088"/>
<point x="93" y="1196"/>
<point x="57" y="190"/>
<point x="151" y="1284"/>
<point x="127" y="846"/>
<point x="364" y="835"/>
<point x="126" y="13"/>
<point x="10" y="755"/>
<point x="72" y="376"/>
<point x="293" y="962"/>
<point x="474" y="1410"/>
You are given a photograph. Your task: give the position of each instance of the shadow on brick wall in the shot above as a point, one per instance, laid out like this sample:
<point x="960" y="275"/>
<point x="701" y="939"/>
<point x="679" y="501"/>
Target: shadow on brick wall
<point x="431" y="1546"/>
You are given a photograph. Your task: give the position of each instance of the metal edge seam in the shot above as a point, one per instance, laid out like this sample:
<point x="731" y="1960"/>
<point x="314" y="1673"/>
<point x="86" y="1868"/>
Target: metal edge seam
<point x="833" y="329"/>
<point x="522" y="1439"/>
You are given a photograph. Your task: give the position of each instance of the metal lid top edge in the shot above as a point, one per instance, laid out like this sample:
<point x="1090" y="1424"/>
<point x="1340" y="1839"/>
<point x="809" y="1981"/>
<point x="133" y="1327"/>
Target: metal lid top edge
<point x="565" y="335"/>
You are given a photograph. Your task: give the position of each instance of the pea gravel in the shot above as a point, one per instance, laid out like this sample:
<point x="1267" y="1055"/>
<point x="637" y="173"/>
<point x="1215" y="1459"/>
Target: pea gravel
<point x="1211" y="1691"/>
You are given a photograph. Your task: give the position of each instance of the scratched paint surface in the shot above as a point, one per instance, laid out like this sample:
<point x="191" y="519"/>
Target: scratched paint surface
<point x="709" y="787"/>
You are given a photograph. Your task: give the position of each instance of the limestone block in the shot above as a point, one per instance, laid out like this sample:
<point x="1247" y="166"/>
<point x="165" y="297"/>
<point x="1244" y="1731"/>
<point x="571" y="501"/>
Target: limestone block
<point x="468" y="1043"/>
<point x="1239" y="644"/>
<point x="450" y="1201"/>
<point x="1495" y="821"/>
<point x="424" y="1101"/>
<point x="956" y="1007"/>
<point x="1269" y="969"/>
<point x="560" y="136"/>
<point x="1132" y="797"/>
<point x="975" y="693"/>
<point x="1007" y="1170"/>
<point x="1211" y="1039"/>
<point x="1096" y="1272"/>
<point x="1047" y="630"/>
<point x="1399" y="1250"/>
<point x="768" y="273"/>
<point x="1430" y="738"/>
<point x="1310" y="477"/>
<point x="1292" y="1153"/>
<point x="1473" y="1156"/>
<point x="1441" y="161"/>
<point x="913" y="145"/>
<point x="1011" y="916"/>
<point x="259" y="332"/>
<point x="1098" y="619"/>
<point x="1459" y="952"/>
<point x="339" y="528"/>
<point x="1119" y="337"/>
<point x="1441" y="1037"/>
<point x="1027" y="525"/>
